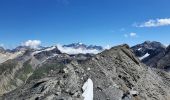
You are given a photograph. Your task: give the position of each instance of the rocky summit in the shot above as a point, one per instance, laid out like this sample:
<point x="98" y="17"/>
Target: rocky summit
<point x="114" y="74"/>
<point x="149" y="52"/>
<point x="153" y="54"/>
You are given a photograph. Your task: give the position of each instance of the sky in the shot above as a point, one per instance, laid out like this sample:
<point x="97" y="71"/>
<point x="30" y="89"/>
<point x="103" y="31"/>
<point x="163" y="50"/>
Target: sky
<point x="99" y="22"/>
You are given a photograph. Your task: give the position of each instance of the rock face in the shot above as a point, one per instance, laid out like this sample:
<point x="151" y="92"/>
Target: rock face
<point x="164" y="61"/>
<point x="149" y="52"/>
<point x="158" y="56"/>
<point x="116" y="75"/>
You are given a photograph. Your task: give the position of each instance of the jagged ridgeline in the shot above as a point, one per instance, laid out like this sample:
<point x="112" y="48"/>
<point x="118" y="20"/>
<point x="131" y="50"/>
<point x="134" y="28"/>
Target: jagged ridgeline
<point x="116" y="74"/>
<point x="153" y="54"/>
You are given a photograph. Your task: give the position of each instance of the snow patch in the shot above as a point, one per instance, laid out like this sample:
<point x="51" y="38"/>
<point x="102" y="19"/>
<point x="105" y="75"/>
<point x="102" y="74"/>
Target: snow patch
<point x="51" y="48"/>
<point x="139" y="49"/>
<point x="115" y="85"/>
<point x="88" y="68"/>
<point x="88" y="90"/>
<point x="54" y="55"/>
<point x="134" y="92"/>
<point x="143" y="57"/>
<point x="48" y="49"/>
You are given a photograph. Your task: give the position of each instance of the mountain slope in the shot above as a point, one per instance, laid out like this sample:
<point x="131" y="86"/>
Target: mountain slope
<point x="164" y="61"/>
<point x="15" y="71"/>
<point x="116" y="75"/>
<point x="149" y="52"/>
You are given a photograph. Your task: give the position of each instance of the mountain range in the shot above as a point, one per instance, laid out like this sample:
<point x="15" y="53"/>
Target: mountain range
<point x="83" y="46"/>
<point x="86" y="72"/>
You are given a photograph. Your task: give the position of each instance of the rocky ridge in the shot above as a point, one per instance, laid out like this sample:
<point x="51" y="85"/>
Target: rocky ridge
<point x="116" y="74"/>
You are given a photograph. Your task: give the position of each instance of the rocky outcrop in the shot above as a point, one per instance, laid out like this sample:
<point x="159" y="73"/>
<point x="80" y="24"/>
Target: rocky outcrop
<point x="116" y="75"/>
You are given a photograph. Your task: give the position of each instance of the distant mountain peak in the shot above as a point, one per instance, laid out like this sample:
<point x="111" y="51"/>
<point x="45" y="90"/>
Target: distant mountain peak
<point x="147" y="47"/>
<point x="80" y="45"/>
<point x="149" y="52"/>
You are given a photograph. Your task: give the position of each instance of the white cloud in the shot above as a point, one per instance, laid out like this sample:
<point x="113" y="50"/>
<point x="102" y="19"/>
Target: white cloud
<point x="155" y="23"/>
<point x="132" y="34"/>
<point x="32" y="43"/>
<point x="70" y="50"/>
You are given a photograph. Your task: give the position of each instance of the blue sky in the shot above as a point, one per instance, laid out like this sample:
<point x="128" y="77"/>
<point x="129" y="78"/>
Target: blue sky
<point x="100" y="22"/>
